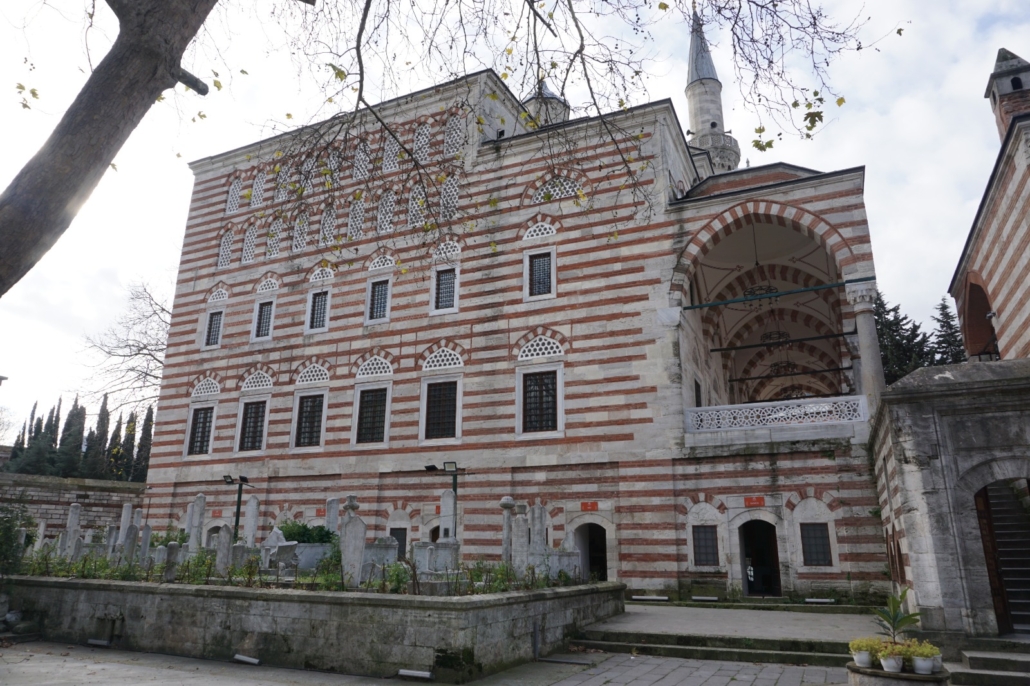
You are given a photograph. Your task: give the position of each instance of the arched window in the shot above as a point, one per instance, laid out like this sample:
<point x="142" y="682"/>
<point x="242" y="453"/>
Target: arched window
<point x="256" y="381"/>
<point x="225" y="250"/>
<point x="355" y="220"/>
<point x="447" y="252"/>
<point x="449" y="198"/>
<point x="307" y="175"/>
<point x="232" y="202"/>
<point x="333" y="166"/>
<point x="391" y="153"/>
<point x="541" y="346"/>
<point x="384" y="218"/>
<point x="539" y="230"/>
<point x="321" y="273"/>
<point x="257" y="189"/>
<point x="417" y="208"/>
<point x="382" y="262"/>
<point x="454" y="136"/>
<point x="313" y="374"/>
<point x="421" y="147"/>
<point x="375" y="366"/>
<point x="268" y="285"/>
<point x="218" y="296"/>
<point x="444" y="358"/>
<point x="275" y="236"/>
<point x="249" y="244"/>
<point x="282" y="184"/>
<point x="327" y="235"/>
<point x="362" y="160"/>
<point x="557" y="188"/>
<point x="1017" y="83"/>
<point x="206" y="387"/>
<point x="300" y="232"/>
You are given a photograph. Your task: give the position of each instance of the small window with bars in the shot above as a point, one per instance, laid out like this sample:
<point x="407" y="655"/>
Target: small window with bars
<point x="252" y="431"/>
<point x="540" y="402"/>
<point x="444" y="298"/>
<point x="378" y="299"/>
<point x="214" y="329"/>
<point x="318" y="316"/>
<point x="309" y="421"/>
<point x="263" y="320"/>
<point x="706" y="545"/>
<point x="540" y="282"/>
<point x="371" y="416"/>
<point x="441" y="410"/>
<point x="200" y="431"/>
<point x="815" y="545"/>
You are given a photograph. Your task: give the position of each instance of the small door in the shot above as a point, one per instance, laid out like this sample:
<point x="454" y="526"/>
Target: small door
<point x="991" y="557"/>
<point x="401" y="536"/>
<point x="761" y="559"/>
<point x="592" y="541"/>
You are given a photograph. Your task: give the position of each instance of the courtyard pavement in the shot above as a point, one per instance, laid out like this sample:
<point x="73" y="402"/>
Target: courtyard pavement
<point x="57" y="664"/>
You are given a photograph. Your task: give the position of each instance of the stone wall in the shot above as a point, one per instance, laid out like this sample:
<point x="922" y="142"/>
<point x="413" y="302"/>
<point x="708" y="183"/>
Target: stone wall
<point x="47" y="498"/>
<point x="456" y="638"/>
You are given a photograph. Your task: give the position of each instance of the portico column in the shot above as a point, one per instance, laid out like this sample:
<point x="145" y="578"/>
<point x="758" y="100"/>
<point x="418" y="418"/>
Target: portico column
<point x="862" y="298"/>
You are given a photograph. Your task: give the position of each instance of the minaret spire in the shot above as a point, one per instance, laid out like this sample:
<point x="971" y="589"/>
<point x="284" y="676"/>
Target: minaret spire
<point x="704" y="100"/>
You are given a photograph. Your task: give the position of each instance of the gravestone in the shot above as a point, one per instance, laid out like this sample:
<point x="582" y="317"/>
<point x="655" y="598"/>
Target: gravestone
<point x="187" y="522"/>
<point x="507" y="505"/>
<point x="88" y="536"/>
<point x="123" y="526"/>
<point x="448" y="518"/>
<point x="239" y="555"/>
<point x="171" y="562"/>
<point x="144" y="546"/>
<point x="520" y="540"/>
<point x="72" y="525"/>
<point x="197" y="524"/>
<point x="137" y="518"/>
<point x="352" y="542"/>
<point x="160" y="555"/>
<point x="129" y="546"/>
<point x="224" y="550"/>
<point x="75" y="550"/>
<point x="332" y="514"/>
<point x="250" y="522"/>
<point x="537" y="531"/>
<point x="447" y="557"/>
<point x="112" y="540"/>
<point x="40" y="536"/>
<point x="378" y="554"/>
<point x="62" y="544"/>
<point x="273" y="541"/>
<point x="22" y="534"/>
<point x="422" y="556"/>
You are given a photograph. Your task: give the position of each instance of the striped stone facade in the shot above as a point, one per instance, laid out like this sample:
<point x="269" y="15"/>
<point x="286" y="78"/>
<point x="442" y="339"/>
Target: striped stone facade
<point x="641" y="212"/>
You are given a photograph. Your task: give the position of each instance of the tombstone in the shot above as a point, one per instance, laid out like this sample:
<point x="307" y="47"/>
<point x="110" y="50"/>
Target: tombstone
<point x="352" y="542"/>
<point x="40" y="536"/>
<point x="88" y="536"/>
<point x="520" y="540"/>
<point x="422" y="556"/>
<point x="187" y="522"/>
<point x="123" y="527"/>
<point x="144" y="546"/>
<point x="62" y="543"/>
<point x="137" y="518"/>
<point x="112" y="540"/>
<point x="285" y="556"/>
<point x="273" y="541"/>
<point x="250" y="522"/>
<point x="75" y="549"/>
<point x="448" y="518"/>
<point x="507" y="505"/>
<point x="332" y="514"/>
<point x="223" y="550"/>
<point x="22" y="534"/>
<point x="130" y="545"/>
<point x="197" y="525"/>
<point x="382" y="552"/>
<point x="447" y="557"/>
<point x="537" y="534"/>
<point x="160" y="555"/>
<point x="74" y="514"/>
<point x="171" y="561"/>
<point x="239" y="555"/>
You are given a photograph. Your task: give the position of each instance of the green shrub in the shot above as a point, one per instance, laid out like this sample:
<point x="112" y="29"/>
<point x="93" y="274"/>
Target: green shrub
<point x="302" y="533"/>
<point x="12" y="518"/>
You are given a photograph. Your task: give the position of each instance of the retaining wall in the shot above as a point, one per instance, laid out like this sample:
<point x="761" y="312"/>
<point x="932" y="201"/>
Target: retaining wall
<point x="47" y="498"/>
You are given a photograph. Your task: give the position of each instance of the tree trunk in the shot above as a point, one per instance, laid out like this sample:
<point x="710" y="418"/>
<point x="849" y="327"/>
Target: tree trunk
<point x="45" y="196"/>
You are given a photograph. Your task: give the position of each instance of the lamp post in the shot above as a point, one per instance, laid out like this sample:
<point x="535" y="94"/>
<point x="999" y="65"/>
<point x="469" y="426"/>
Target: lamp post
<point x="452" y="469"/>
<point x="239" y="499"/>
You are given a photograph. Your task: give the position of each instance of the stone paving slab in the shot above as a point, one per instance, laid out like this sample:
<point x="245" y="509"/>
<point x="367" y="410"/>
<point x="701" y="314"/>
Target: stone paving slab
<point x="628" y="670"/>
<point x="689" y="621"/>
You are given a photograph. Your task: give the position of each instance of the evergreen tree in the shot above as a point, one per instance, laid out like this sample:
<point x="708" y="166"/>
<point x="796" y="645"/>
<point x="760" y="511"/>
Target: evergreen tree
<point x="69" y="450"/>
<point x="904" y="347"/>
<point x="94" y="463"/>
<point x="19" y="447"/>
<point x="39" y="455"/>
<point x="127" y="453"/>
<point x="141" y="464"/>
<point x="114" y="450"/>
<point x="947" y="339"/>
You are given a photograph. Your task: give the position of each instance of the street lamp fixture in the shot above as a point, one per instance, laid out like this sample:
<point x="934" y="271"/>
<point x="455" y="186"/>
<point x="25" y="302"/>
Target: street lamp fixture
<point x="241" y="482"/>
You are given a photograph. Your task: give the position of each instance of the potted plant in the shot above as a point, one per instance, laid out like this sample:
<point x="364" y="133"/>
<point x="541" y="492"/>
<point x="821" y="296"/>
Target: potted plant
<point x="923" y="657"/>
<point x="893" y="619"/>
<point x="892" y="656"/>
<point x="865" y="650"/>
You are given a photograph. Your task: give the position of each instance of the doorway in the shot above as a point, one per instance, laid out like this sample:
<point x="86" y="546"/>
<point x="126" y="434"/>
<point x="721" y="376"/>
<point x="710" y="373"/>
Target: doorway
<point x="1005" y="530"/>
<point x="592" y="541"/>
<point x="401" y="536"/>
<point x="760" y="558"/>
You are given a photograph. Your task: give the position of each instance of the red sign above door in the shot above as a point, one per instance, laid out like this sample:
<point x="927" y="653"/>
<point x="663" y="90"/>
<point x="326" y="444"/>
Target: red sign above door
<point x="588" y="507"/>
<point x="754" y="501"/>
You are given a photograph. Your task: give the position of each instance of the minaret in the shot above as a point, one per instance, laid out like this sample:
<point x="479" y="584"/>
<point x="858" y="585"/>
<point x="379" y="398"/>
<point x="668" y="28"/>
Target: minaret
<point x="704" y="100"/>
<point x="1009" y="89"/>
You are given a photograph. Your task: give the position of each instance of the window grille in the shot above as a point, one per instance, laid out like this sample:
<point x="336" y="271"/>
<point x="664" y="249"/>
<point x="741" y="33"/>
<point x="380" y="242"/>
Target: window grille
<point x="322" y="273"/>
<point x="444" y="358"/>
<point x="257" y="381"/>
<point x="218" y="296"/>
<point x="327" y="236"/>
<point x="382" y="262"/>
<point x="263" y="325"/>
<point x="417" y="208"/>
<point x="539" y="230"/>
<point x="214" y="329"/>
<point x="540" y="402"/>
<point x="333" y="166"/>
<point x="315" y="373"/>
<point x="356" y="219"/>
<point x="441" y="409"/>
<point x="232" y="203"/>
<point x="541" y="346"/>
<point x="319" y="305"/>
<point x="307" y="176"/>
<point x="362" y="158"/>
<point x="447" y="252"/>
<point x="454" y="136"/>
<point x="421" y="147"/>
<point x="300" y="232"/>
<point x="384" y="219"/>
<point x="557" y="188"/>
<point x="249" y="244"/>
<point x="379" y="294"/>
<point x="372" y="416"/>
<point x="449" y="199"/>
<point x="375" y="366"/>
<point x="253" y="429"/>
<point x="257" y="189"/>
<point x="225" y="250"/>
<point x="200" y="431"/>
<point x="540" y="274"/>
<point x="815" y="545"/>
<point x="391" y="153"/>
<point x="445" y="279"/>
<point x="706" y="546"/>
<point x="309" y="421"/>
<point x="275" y="234"/>
<point x="282" y="184"/>
<point x="268" y="285"/>
<point x="206" y="387"/>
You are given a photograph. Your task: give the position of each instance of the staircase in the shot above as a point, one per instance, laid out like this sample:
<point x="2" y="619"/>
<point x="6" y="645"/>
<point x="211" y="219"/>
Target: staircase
<point x="1012" y="539"/>
<point x="979" y="668"/>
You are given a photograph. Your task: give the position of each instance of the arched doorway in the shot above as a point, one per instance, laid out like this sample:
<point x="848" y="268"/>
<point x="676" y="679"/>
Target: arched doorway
<point x="760" y="558"/>
<point x="592" y="541"/>
<point x="977" y="323"/>
<point x="1005" y="530"/>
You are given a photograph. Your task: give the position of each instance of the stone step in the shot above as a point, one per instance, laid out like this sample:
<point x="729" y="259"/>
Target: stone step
<point x="830" y="609"/>
<point x="713" y="653"/>
<point x="997" y="662"/>
<point x="789" y="645"/>
<point x="8" y="637"/>
<point x="963" y="676"/>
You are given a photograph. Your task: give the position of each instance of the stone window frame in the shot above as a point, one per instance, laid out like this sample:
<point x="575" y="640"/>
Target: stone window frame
<point x="205" y="323"/>
<point x="383" y="381"/>
<point x="812" y="510"/>
<point x="430" y="376"/>
<point x="317" y="287"/>
<point x="256" y="395"/>
<point x="314" y="389"/>
<point x="375" y="278"/>
<point x="553" y="250"/>
<point x="444" y="266"/>
<point x="272" y="298"/>
<point x="201" y="402"/>
<point x="706" y="514"/>
<point x="531" y="367"/>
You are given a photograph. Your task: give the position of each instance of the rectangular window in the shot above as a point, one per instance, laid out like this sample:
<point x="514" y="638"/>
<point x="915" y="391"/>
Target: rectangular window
<point x="697" y="394"/>
<point x="319" y="310"/>
<point x="706" y="546"/>
<point x="445" y="279"/>
<point x="200" y="431"/>
<point x="540" y="274"/>
<point x="372" y="416"/>
<point x="377" y="299"/>
<point x="815" y="545"/>
<point x="540" y="402"/>
<point x="441" y="409"/>
<point x="263" y="324"/>
<point x="253" y="428"/>
<point x="401" y="536"/>
<point x="214" y="329"/>
<point x="309" y="421"/>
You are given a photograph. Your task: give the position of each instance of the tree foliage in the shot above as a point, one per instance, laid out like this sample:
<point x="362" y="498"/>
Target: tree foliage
<point x="905" y="347"/>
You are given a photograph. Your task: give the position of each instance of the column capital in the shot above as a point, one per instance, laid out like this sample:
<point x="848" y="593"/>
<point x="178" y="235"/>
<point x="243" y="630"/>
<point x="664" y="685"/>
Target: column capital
<point x="861" y="296"/>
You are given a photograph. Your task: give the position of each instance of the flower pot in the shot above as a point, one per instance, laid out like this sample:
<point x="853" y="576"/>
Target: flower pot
<point x="863" y="658"/>
<point x="922" y="665"/>
<point x="892" y="663"/>
<point x="938" y="663"/>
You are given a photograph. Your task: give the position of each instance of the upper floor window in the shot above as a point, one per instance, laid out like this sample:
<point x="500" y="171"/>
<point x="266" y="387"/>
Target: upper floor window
<point x="417" y="208"/>
<point x="557" y="188"/>
<point x="538" y="274"/>
<point x="378" y="301"/>
<point x="300" y="232"/>
<point x="540" y="401"/>
<point x="1017" y="83"/>
<point x="420" y="149"/>
<point x="249" y="244"/>
<point x="263" y="320"/>
<point x="391" y="153"/>
<point x="539" y="230"/>
<point x="327" y="234"/>
<point x="449" y="198"/>
<point x="454" y="136"/>
<point x="362" y="162"/>
<point x="232" y="202"/>
<point x="275" y="235"/>
<point x="257" y="189"/>
<point x="441" y="405"/>
<point x="372" y="415"/>
<point x="541" y="346"/>
<point x="201" y="423"/>
<point x="356" y="219"/>
<point x="318" y="311"/>
<point x="225" y="250"/>
<point x="384" y="218"/>
<point x="282" y="184"/>
<point x="445" y="289"/>
<point x="310" y="416"/>
<point x="307" y="176"/>
<point x="252" y="426"/>
<point x="213" y="335"/>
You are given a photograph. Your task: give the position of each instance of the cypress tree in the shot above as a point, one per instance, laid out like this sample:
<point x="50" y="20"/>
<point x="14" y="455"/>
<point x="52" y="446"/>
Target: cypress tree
<point x="94" y="463"/>
<point x="947" y="339"/>
<point x="114" y="450"/>
<point x="19" y="447"/>
<point x="141" y="464"/>
<point x="904" y="347"/>
<point x="38" y="457"/>
<point x="128" y="450"/>
<point x="69" y="451"/>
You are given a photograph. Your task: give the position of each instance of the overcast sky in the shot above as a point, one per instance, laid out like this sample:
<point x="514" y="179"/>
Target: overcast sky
<point x="915" y="117"/>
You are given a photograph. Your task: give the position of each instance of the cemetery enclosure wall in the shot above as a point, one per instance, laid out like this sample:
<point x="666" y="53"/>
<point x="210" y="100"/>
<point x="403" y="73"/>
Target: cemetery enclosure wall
<point x="457" y="638"/>
<point x="46" y="498"/>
